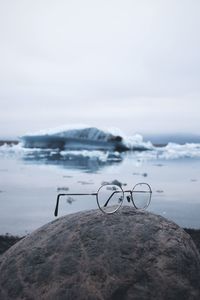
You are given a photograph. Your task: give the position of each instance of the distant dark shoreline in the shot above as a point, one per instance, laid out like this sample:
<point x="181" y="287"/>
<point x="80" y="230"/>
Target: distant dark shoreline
<point x="6" y="241"/>
<point x="8" y="142"/>
<point x="177" y="138"/>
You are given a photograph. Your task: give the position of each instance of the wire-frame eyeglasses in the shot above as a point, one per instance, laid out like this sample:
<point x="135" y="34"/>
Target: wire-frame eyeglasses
<point x="110" y="197"/>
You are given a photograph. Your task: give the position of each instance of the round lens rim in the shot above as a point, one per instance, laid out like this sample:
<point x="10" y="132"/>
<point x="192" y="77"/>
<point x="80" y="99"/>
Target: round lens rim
<point x="150" y="192"/>
<point x="109" y="213"/>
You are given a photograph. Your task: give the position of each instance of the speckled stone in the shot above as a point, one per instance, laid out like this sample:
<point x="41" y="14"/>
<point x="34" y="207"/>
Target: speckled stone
<point x="91" y="256"/>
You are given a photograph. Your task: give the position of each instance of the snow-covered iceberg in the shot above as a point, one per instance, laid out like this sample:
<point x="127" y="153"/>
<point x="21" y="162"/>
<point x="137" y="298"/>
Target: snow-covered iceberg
<point x="87" y="138"/>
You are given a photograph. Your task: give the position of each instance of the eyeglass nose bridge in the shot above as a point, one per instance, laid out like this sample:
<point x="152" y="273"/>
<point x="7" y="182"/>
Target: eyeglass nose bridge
<point x="129" y="198"/>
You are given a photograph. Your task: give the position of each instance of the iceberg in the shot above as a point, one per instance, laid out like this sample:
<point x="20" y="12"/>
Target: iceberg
<point x="87" y="138"/>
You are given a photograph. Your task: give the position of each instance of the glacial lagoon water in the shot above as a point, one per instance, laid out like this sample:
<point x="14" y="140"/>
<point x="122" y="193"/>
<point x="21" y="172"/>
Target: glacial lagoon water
<point x="30" y="180"/>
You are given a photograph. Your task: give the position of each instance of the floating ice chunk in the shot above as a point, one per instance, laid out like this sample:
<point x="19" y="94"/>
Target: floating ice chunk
<point x="173" y="151"/>
<point x="136" y="142"/>
<point x="102" y="156"/>
<point x="89" y="138"/>
<point x="85" y="137"/>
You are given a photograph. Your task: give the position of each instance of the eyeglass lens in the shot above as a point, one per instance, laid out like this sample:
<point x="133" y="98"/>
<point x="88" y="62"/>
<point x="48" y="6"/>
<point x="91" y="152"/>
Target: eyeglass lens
<point x="110" y="198"/>
<point x="141" y="195"/>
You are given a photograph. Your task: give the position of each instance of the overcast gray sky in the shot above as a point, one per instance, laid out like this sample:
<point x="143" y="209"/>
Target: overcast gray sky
<point x="132" y="64"/>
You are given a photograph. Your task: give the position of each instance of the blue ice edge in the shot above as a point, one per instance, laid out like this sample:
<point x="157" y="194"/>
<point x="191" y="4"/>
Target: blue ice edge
<point x="89" y="138"/>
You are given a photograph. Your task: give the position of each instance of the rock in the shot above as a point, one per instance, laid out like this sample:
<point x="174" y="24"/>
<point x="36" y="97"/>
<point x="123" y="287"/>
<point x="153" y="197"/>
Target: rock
<point x="128" y="255"/>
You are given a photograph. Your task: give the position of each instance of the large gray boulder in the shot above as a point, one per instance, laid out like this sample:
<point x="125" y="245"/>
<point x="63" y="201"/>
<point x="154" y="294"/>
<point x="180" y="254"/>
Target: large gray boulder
<point x="129" y="255"/>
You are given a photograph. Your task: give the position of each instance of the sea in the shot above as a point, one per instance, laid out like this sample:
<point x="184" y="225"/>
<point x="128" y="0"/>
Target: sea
<point x="31" y="179"/>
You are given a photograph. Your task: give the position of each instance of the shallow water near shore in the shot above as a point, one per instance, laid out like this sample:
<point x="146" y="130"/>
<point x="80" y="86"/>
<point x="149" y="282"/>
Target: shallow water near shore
<point x="30" y="182"/>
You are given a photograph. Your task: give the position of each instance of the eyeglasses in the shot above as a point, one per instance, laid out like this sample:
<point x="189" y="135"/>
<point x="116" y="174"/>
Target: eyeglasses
<point x="110" y="197"/>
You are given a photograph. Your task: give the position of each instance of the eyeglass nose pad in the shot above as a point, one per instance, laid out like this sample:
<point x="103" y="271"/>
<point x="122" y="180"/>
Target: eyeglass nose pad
<point x="128" y="198"/>
<point x="120" y="199"/>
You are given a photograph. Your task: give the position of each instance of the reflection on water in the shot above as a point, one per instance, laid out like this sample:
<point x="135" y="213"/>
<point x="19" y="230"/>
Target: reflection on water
<point x="89" y="161"/>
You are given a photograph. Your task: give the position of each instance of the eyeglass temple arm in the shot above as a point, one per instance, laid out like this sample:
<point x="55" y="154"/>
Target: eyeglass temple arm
<point x="111" y="197"/>
<point x="59" y="195"/>
<point x="57" y="203"/>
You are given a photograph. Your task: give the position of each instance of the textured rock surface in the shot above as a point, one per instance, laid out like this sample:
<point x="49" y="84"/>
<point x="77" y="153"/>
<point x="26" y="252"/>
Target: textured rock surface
<point x="128" y="255"/>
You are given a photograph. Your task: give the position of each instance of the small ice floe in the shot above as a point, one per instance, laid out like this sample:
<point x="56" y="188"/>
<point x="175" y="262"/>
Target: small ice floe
<point x="70" y="200"/>
<point x="114" y="182"/>
<point x="141" y="174"/>
<point x="114" y="156"/>
<point x="85" y="182"/>
<point x="158" y="165"/>
<point x="193" y="180"/>
<point x="62" y="188"/>
<point x="85" y="154"/>
<point x="176" y="151"/>
<point x="144" y="174"/>
<point x="136" y="143"/>
<point x="9" y="149"/>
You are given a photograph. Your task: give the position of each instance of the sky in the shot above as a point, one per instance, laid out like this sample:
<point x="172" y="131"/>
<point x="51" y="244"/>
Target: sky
<point x="133" y="65"/>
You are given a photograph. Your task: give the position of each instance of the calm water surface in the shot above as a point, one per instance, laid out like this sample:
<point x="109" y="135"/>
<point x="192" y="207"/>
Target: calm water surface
<point x="29" y="185"/>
